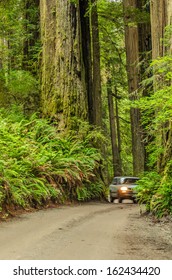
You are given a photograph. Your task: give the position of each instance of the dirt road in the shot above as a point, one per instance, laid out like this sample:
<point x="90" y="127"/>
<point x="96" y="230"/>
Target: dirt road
<point x="93" y="231"/>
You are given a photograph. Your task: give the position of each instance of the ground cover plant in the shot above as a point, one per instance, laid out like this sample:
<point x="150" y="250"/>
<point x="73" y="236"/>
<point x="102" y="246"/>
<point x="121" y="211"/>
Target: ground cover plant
<point x="37" y="165"/>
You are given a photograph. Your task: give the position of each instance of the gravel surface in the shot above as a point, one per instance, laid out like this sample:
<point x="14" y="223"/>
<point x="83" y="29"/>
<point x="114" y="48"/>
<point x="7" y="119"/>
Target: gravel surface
<point x="92" y="231"/>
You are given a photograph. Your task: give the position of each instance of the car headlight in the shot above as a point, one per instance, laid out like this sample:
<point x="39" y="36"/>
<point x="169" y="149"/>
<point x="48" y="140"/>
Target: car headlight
<point x="124" y="188"/>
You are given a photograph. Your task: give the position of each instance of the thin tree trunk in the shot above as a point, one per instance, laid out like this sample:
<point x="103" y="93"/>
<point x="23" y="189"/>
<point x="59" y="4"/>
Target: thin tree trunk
<point x="97" y="102"/>
<point x="32" y="21"/>
<point x="114" y="136"/>
<point x="118" y="125"/>
<point x="87" y="56"/>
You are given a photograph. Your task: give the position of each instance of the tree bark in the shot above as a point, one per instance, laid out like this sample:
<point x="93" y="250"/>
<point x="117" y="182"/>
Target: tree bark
<point x="87" y="54"/>
<point x="118" y="125"/>
<point x="161" y="16"/>
<point x="63" y="90"/>
<point x="158" y="23"/>
<point x="133" y="72"/>
<point x="117" y="168"/>
<point x="97" y="102"/>
<point x="145" y="48"/>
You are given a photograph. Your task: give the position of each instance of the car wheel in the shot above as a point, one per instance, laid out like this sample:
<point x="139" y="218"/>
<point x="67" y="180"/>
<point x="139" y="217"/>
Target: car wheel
<point x="120" y="200"/>
<point x="111" y="199"/>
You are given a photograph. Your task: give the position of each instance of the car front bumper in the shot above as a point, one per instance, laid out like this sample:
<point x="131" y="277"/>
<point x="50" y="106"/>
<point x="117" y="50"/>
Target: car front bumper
<point x="127" y="194"/>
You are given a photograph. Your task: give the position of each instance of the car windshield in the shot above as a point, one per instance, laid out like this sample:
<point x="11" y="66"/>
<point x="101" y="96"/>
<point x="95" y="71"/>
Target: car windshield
<point x="131" y="181"/>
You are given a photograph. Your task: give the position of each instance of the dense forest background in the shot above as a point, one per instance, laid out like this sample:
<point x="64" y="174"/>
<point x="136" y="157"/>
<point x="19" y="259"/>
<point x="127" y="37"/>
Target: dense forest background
<point x="85" y="95"/>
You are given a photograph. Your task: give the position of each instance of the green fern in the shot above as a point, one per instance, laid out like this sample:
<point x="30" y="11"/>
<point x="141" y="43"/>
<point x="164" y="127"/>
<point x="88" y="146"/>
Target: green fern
<point x="38" y="165"/>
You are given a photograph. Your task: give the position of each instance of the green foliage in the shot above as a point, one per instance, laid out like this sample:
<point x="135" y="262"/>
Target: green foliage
<point x="147" y="188"/>
<point x="21" y="83"/>
<point x="91" y="191"/>
<point x="156" y="193"/>
<point x="19" y="30"/>
<point x="161" y="203"/>
<point x="38" y="165"/>
<point x="19" y="89"/>
<point x="155" y="188"/>
<point x="135" y="16"/>
<point x="19" y="52"/>
<point x="12" y="33"/>
<point x="157" y="113"/>
<point x="113" y="67"/>
<point x="167" y="37"/>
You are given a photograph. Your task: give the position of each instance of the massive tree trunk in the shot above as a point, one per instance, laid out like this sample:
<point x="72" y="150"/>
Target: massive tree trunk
<point x="158" y="22"/>
<point x="63" y="91"/>
<point x="161" y="16"/>
<point x="133" y="71"/>
<point x="145" y="47"/>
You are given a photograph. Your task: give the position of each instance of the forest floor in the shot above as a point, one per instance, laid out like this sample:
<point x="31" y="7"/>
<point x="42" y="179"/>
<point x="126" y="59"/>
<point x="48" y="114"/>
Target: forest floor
<point x="92" y="231"/>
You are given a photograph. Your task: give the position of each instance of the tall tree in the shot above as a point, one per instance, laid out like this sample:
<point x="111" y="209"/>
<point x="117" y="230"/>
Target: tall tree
<point x="84" y="7"/>
<point x="132" y="52"/>
<point x="31" y="42"/>
<point x="71" y="83"/>
<point x="137" y="41"/>
<point x="161" y="15"/>
<point x="97" y="102"/>
<point x="115" y="133"/>
<point x="63" y="90"/>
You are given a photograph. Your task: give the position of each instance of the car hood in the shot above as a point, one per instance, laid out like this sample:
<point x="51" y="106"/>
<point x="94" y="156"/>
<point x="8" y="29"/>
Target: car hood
<point x="129" y="186"/>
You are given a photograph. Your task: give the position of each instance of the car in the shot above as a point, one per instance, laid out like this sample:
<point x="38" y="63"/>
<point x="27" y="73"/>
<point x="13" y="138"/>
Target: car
<point x="123" y="188"/>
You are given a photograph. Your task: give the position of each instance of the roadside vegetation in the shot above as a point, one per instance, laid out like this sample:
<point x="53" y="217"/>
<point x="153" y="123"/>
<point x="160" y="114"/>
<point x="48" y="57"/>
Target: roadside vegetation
<point x="37" y="166"/>
<point x="155" y="186"/>
<point x="155" y="192"/>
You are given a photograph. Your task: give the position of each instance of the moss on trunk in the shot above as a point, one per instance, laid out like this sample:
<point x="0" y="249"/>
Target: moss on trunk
<point x="63" y="91"/>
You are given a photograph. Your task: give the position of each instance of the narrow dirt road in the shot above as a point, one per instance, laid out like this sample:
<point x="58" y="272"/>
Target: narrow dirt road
<point x="93" y="231"/>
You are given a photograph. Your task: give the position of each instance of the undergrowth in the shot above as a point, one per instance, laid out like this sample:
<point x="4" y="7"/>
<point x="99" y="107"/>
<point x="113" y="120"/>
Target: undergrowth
<point x="37" y="165"/>
<point x="155" y="191"/>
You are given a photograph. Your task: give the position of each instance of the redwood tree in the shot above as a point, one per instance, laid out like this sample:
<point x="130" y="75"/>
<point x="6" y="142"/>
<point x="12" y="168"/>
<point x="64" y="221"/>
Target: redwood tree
<point x="70" y="71"/>
<point x="97" y="102"/>
<point x="63" y="88"/>
<point x="132" y="53"/>
<point x="138" y="44"/>
<point x="87" y="55"/>
<point x="161" y="16"/>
